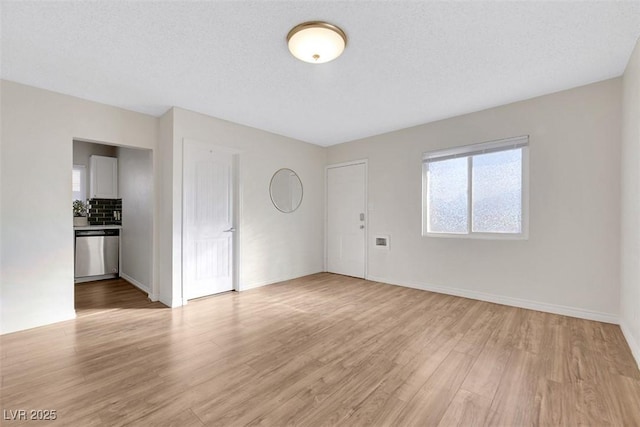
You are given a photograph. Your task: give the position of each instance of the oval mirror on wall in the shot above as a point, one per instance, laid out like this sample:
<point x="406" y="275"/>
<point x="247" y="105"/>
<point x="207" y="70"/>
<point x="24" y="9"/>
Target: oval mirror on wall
<point x="286" y="190"/>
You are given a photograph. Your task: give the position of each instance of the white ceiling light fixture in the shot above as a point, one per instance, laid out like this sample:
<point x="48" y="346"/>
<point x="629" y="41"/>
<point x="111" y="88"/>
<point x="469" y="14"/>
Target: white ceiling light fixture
<point x="316" y="42"/>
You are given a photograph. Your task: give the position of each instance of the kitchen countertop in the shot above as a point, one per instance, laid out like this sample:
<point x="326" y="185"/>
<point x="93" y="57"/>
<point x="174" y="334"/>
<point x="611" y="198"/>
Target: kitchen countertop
<point x="98" y="227"/>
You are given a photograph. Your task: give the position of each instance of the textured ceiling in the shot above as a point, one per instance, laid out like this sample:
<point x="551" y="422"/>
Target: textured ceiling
<point x="406" y="62"/>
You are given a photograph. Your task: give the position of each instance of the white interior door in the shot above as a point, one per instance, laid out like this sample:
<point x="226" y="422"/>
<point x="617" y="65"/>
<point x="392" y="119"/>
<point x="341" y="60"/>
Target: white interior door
<point x="208" y="180"/>
<point x="346" y="232"/>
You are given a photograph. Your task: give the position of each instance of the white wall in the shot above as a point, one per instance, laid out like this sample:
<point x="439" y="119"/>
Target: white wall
<point x="630" y="223"/>
<point x="569" y="264"/>
<point x="38" y="129"/>
<point x="164" y="162"/>
<point x="274" y="246"/>
<point x="135" y="183"/>
<point x="82" y="152"/>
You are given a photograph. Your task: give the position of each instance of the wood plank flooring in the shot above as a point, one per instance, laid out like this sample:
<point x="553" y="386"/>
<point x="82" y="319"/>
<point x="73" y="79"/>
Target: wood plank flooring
<point x="107" y="295"/>
<point x="322" y="350"/>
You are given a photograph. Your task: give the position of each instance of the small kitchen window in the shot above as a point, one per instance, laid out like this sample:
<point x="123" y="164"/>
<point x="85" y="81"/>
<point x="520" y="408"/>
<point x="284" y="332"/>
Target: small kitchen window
<point x="79" y="183"/>
<point x="477" y="191"/>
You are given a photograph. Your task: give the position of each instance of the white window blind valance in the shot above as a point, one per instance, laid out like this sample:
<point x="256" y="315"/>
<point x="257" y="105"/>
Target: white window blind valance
<point x="474" y="149"/>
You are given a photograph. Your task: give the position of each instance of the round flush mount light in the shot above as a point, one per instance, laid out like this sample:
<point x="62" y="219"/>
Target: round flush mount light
<point x="316" y="42"/>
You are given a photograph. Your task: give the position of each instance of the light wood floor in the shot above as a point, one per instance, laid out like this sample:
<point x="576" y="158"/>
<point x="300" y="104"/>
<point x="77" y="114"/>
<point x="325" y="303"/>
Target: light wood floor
<point x="320" y="350"/>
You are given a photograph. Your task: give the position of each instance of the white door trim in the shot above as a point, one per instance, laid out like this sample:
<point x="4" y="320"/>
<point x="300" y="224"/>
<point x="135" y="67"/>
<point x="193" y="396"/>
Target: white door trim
<point x="237" y="212"/>
<point x="367" y="221"/>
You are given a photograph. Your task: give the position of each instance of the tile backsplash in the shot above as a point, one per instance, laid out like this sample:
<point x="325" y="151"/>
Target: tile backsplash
<point x="104" y="212"/>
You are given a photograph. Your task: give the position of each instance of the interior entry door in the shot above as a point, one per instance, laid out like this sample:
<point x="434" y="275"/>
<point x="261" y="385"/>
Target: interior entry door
<point x="208" y="185"/>
<point x="346" y="232"/>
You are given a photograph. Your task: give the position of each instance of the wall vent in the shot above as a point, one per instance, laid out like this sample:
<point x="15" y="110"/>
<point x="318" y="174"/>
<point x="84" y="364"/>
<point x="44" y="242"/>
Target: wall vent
<point x="382" y="242"/>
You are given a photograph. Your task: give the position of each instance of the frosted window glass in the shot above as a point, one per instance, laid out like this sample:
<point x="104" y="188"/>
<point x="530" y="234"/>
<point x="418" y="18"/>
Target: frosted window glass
<point x="76" y="180"/>
<point x="497" y="192"/>
<point x="447" y="196"/>
<point x="77" y="184"/>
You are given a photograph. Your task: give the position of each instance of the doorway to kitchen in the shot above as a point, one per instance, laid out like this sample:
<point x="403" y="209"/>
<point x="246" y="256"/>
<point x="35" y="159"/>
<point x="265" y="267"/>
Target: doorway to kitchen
<point x="113" y="201"/>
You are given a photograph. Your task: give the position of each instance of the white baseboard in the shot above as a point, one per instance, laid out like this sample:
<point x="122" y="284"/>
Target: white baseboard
<point x="256" y="285"/>
<point x="633" y="344"/>
<point x="31" y="322"/>
<point x="504" y="300"/>
<point x="171" y="302"/>
<point x="144" y="288"/>
<point x="135" y="283"/>
<point x="262" y="283"/>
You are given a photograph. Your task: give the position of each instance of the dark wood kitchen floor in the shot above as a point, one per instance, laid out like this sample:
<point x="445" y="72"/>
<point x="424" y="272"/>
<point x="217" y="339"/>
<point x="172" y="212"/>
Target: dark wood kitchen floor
<point x="108" y="295"/>
<point x="319" y="350"/>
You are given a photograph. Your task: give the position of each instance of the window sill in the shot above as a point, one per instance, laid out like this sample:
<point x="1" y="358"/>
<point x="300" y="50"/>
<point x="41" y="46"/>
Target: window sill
<point x="478" y="236"/>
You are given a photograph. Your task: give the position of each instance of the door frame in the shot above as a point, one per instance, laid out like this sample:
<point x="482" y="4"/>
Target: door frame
<point x="152" y="289"/>
<point x="236" y="206"/>
<point x="367" y="221"/>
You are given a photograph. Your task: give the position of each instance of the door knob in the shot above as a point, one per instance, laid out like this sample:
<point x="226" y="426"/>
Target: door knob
<point x="231" y="230"/>
<point x="361" y="227"/>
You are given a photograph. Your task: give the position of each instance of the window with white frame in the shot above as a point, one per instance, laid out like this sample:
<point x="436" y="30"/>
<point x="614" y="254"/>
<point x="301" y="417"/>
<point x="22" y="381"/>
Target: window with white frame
<point x="79" y="183"/>
<point x="478" y="190"/>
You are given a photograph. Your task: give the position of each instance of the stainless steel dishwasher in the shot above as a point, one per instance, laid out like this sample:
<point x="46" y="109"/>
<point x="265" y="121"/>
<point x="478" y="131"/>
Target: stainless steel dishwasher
<point x="97" y="254"/>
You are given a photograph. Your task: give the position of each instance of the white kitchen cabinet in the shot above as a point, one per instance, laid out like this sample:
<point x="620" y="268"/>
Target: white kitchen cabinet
<point x="104" y="177"/>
